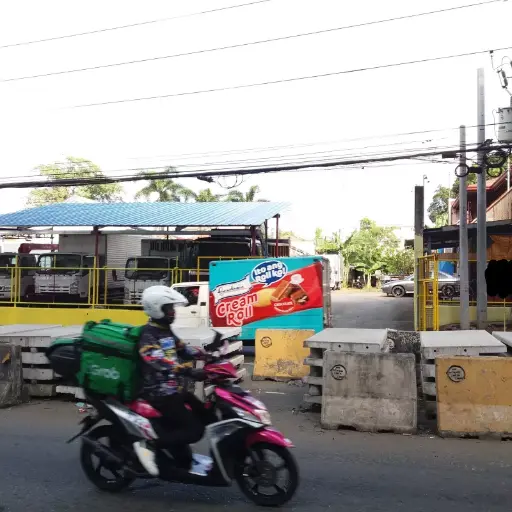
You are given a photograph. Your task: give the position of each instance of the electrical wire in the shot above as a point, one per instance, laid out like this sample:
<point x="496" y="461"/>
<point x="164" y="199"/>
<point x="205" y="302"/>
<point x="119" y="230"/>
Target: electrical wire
<point x="289" y="80"/>
<point x="195" y="174"/>
<point x="131" y="25"/>
<point x="241" y="45"/>
<point x="255" y="163"/>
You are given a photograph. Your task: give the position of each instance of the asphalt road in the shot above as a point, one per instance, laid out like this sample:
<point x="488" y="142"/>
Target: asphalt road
<point x="341" y="470"/>
<point x="371" y="310"/>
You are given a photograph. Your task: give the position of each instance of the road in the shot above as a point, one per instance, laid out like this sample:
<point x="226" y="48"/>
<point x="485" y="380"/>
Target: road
<point x="372" y="310"/>
<point x="341" y="470"/>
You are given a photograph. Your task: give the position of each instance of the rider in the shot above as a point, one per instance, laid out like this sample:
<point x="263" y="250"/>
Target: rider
<point x="163" y="355"/>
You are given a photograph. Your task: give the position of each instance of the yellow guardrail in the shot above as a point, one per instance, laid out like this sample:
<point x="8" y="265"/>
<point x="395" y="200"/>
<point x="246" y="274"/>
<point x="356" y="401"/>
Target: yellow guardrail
<point x="93" y="287"/>
<point x="430" y="302"/>
<point x="201" y="260"/>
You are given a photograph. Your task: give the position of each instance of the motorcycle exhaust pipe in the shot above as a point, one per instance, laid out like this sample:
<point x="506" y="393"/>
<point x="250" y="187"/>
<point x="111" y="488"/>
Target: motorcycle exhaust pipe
<point x="103" y="451"/>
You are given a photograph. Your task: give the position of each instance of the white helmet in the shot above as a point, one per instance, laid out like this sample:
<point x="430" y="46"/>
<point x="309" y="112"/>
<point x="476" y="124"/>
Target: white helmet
<point x="155" y="298"/>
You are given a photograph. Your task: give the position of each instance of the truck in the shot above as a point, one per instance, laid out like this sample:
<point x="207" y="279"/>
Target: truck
<point x="8" y="262"/>
<point x="271" y="293"/>
<point x="65" y="276"/>
<point x="198" y="254"/>
<point x="336" y="276"/>
<point x="155" y="266"/>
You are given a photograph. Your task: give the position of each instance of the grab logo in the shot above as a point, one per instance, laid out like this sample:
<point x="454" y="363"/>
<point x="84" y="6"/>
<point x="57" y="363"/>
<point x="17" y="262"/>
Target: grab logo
<point x="106" y="373"/>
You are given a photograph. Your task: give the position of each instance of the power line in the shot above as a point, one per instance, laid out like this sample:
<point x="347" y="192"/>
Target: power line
<point x="104" y="180"/>
<point x="131" y="25"/>
<point x="289" y="80"/>
<point x="240" y="45"/>
<point x="254" y="163"/>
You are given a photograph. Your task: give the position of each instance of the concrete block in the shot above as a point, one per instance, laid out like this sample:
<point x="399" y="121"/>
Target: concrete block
<point x="280" y="353"/>
<point x="371" y="392"/>
<point x="460" y="343"/>
<point x="41" y="338"/>
<point x="504" y="337"/>
<point x="11" y="378"/>
<point x="14" y="328"/>
<point x="474" y="395"/>
<point x="350" y="340"/>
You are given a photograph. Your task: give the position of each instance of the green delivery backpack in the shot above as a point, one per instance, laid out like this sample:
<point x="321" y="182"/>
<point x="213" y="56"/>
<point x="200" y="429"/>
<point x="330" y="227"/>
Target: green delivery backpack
<point x="109" y="362"/>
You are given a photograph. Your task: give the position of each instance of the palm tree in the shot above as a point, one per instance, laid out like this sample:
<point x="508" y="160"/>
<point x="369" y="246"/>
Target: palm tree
<point x="166" y="189"/>
<point x="250" y="196"/>
<point x="207" y="196"/>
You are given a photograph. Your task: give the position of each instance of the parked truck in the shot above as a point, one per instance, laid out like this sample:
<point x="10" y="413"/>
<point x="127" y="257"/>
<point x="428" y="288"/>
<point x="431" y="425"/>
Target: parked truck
<point x="155" y="266"/>
<point x="25" y="275"/>
<point x="65" y="276"/>
<point x="274" y="293"/>
<point x="336" y="276"/>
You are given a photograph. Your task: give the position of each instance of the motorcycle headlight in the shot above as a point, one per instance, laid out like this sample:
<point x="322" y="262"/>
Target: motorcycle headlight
<point x="264" y="416"/>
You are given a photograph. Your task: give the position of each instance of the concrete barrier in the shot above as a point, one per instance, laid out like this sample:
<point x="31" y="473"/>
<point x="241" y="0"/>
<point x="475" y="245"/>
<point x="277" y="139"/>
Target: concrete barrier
<point x="11" y="376"/>
<point x="338" y="340"/>
<point x="474" y="395"/>
<point x="280" y="354"/>
<point x="372" y="392"/>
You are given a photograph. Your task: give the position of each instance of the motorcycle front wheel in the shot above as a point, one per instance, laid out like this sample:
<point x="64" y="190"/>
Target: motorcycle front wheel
<point x="103" y="475"/>
<point x="268" y="475"/>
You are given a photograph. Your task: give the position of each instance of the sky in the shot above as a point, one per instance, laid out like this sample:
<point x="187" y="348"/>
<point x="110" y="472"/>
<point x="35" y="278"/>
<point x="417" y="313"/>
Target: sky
<point x="354" y="115"/>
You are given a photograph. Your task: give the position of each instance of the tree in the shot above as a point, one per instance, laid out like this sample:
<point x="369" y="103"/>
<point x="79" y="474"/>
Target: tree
<point x="438" y="209"/>
<point x="207" y="196"/>
<point x="236" y="196"/>
<point x="73" y="168"/>
<point x="165" y="190"/>
<point x="327" y="244"/>
<point x="368" y="247"/>
<point x="400" y="262"/>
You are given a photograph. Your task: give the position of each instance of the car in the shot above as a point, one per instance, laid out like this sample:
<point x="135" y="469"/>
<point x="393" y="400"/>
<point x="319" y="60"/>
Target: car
<point x="448" y="286"/>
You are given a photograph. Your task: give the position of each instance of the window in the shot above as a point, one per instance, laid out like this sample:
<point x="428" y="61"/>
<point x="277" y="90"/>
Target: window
<point x="191" y="293"/>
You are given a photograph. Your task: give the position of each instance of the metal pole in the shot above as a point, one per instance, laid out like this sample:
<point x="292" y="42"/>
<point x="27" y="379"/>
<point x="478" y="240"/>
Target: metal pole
<point x="277" y="236"/>
<point x="481" y="251"/>
<point x="463" y="237"/>
<point x="419" y="222"/>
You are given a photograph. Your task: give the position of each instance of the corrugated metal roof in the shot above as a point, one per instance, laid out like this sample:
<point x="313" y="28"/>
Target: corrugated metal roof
<point x="144" y="214"/>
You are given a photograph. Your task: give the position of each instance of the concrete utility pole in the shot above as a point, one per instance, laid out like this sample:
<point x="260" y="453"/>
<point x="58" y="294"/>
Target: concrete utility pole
<point x="481" y="228"/>
<point x="463" y="236"/>
<point x="419" y="222"/>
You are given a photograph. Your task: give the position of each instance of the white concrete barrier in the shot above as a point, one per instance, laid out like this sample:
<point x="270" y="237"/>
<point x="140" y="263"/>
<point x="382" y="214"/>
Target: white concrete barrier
<point x="372" y="392"/>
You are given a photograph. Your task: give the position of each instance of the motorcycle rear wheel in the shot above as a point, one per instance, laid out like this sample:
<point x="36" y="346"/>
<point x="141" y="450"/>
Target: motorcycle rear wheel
<point x="119" y="481"/>
<point x="251" y="476"/>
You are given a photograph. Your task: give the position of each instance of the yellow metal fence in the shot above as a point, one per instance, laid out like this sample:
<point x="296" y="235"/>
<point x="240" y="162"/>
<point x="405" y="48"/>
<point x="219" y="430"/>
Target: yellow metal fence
<point x="91" y="287"/>
<point x="438" y="295"/>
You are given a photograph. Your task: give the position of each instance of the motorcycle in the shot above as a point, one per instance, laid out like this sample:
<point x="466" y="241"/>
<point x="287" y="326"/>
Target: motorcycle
<point x="237" y="427"/>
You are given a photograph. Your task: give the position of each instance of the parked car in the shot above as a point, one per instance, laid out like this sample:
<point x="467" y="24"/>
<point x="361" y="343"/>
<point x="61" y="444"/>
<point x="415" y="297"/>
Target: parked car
<point x="448" y="286"/>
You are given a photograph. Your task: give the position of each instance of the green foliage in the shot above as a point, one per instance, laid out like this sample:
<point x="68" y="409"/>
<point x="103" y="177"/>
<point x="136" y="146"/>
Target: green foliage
<point x="236" y="196"/>
<point x="207" y="196"/>
<point x="327" y="244"/>
<point x="73" y="168"/>
<point x="400" y="262"/>
<point x="165" y="190"/>
<point x="438" y="209"/>
<point x="369" y="247"/>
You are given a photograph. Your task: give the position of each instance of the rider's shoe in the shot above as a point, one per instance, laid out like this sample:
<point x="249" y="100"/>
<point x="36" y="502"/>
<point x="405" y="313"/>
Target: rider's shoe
<point x="146" y="457"/>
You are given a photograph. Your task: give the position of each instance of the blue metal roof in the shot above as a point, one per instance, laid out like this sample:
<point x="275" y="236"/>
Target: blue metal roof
<point x="144" y="214"/>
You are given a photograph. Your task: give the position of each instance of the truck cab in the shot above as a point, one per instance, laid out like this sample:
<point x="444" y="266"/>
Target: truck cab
<point x="145" y="271"/>
<point x="26" y="264"/>
<point x="65" y="276"/>
<point x="196" y="313"/>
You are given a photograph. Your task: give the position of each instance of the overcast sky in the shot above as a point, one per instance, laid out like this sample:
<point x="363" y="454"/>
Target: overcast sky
<point x="38" y="125"/>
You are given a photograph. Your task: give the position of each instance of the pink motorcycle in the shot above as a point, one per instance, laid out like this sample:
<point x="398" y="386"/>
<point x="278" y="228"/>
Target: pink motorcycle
<point x="243" y="446"/>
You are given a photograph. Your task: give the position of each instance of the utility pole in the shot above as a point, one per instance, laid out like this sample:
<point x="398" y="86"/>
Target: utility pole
<point x="481" y="199"/>
<point x="419" y="222"/>
<point x="463" y="236"/>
